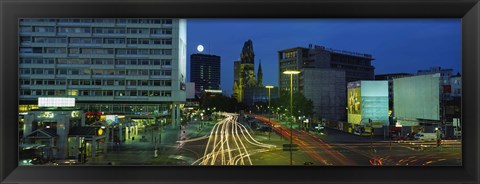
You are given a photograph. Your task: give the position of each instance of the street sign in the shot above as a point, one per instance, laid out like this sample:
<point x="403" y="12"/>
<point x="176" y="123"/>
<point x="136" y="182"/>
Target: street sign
<point x="290" y="147"/>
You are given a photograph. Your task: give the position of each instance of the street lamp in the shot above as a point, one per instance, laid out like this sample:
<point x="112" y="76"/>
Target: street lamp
<point x="291" y="73"/>
<point x="269" y="88"/>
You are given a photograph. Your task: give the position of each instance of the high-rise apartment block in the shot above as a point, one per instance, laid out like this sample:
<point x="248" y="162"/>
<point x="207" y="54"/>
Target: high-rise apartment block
<point x="109" y="65"/>
<point x="205" y="72"/>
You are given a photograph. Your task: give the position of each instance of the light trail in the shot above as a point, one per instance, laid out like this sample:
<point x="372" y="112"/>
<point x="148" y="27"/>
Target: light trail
<point x="219" y="151"/>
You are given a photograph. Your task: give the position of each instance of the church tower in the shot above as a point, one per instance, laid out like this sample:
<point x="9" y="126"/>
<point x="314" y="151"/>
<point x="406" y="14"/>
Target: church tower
<point x="260" y="75"/>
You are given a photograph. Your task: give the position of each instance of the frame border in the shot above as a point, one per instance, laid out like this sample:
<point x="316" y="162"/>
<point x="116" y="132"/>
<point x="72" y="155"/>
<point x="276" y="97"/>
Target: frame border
<point x="11" y="10"/>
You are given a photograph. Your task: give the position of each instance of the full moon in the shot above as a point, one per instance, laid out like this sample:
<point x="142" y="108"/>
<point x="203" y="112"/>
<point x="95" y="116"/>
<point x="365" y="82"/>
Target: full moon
<point x="200" y="48"/>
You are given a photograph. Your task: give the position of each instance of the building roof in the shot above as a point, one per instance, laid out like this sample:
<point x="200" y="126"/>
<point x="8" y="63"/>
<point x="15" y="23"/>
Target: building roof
<point x="43" y="133"/>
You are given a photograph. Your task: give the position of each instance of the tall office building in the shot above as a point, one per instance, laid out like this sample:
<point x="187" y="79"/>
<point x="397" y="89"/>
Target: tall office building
<point x="357" y="66"/>
<point x="205" y="72"/>
<point x="128" y="66"/>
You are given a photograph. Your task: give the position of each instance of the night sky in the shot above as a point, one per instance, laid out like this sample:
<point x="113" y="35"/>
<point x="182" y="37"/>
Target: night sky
<point x="398" y="45"/>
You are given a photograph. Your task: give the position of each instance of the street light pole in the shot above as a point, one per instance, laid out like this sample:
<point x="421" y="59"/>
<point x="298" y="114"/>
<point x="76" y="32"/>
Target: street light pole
<point x="270" y="132"/>
<point x="291" y="73"/>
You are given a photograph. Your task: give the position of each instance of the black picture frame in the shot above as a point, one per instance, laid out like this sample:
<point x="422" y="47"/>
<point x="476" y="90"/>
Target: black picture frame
<point x="11" y="10"/>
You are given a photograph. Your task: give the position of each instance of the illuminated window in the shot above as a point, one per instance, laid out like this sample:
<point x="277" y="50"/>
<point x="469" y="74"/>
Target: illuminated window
<point x="72" y="92"/>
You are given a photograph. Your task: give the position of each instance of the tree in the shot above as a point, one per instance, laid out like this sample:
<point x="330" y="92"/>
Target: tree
<point x="301" y="105"/>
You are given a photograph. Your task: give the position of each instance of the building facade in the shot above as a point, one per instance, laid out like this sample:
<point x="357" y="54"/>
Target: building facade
<point x="326" y="89"/>
<point x="445" y="74"/>
<point x="389" y="78"/>
<point x="109" y="65"/>
<point x="205" y="72"/>
<point x="357" y="66"/>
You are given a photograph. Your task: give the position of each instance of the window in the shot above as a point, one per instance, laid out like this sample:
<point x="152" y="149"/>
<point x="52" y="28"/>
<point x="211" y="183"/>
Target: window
<point x="108" y="93"/>
<point x="132" y="62"/>
<point x="133" y="93"/>
<point x="26" y="50"/>
<point x="37" y="71"/>
<point x="132" y="72"/>
<point x="62" y="71"/>
<point x="74" y="72"/>
<point x="49" y="71"/>
<point x="132" y="41"/>
<point x="74" y="51"/>
<point x="72" y="92"/>
<point x="121" y="51"/>
<point x="60" y="82"/>
<point x="155" y="72"/>
<point x="24" y="39"/>
<point x="109" y="82"/>
<point x="74" y="82"/>
<point x="144" y="62"/>
<point x="25" y="92"/>
<point x="166" y="62"/>
<point x="132" y="82"/>
<point x="120" y="62"/>
<point x="44" y="29"/>
<point x="144" y="41"/>
<point x="143" y="72"/>
<point x="25" y="29"/>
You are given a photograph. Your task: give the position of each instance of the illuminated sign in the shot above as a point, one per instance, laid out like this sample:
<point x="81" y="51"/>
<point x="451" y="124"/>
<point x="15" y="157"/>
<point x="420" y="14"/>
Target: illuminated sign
<point x="56" y="102"/>
<point x="111" y="118"/>
<point x="46" y="115"/>
<point x="75" y="114"/>
<point x="213" y="91"/>
<point x="100" y="131"/>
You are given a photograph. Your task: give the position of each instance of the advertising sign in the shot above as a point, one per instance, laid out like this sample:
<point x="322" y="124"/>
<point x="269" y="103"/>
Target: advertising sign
<point x="111" y="118"/>
<point x="354" y="100"/>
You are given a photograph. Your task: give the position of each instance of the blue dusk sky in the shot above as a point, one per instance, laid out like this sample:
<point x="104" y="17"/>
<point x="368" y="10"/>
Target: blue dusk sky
<point x="398" y="45"/>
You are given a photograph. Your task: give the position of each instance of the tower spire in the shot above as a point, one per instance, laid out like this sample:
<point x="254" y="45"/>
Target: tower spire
<point x="260" y="74"/>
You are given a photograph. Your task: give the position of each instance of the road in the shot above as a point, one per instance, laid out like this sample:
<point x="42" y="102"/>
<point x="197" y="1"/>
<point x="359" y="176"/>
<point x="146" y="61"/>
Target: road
<point x="230" y="143"/>
<point x="341" y="148"/>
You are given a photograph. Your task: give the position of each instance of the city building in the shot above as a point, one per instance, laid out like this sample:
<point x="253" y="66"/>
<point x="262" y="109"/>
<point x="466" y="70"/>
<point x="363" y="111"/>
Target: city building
<point x="417" y="102"/>
<point x="326" y="88"/>
<point x="60" y="128"/>
<point x="205" y="72"/>
<point x="357" y="66"/>
<point x="244" y="75"/>
<point x="445" y="74"/>
<point x="456" y="85"/>
<point x="135" y="67"/>
<point x="367" y="105"/>
<point x="389" y="78"/>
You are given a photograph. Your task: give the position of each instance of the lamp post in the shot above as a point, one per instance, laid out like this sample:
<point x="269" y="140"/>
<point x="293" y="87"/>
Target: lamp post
<point x="291" y="73"/>
<point x="269" y="88"/>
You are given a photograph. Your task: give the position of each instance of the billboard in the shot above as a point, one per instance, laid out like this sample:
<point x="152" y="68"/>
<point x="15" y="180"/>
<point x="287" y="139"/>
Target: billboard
<point x="416" y="97"/>
<point x="354" y="98"/>
<point x="368" y="100"/>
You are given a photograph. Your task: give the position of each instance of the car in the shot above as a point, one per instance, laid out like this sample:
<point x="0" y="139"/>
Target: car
<point x="308" y="163"/>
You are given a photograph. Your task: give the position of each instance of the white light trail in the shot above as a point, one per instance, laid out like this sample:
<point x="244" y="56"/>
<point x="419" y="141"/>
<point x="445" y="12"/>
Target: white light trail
<point x="218" y="150"/>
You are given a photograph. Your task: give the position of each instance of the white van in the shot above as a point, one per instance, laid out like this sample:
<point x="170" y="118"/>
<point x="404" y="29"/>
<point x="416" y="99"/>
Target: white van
<point x="426" y="136"/>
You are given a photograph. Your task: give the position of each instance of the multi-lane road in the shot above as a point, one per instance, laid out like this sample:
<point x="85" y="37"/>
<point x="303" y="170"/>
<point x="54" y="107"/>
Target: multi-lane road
<point x="230" y="143"/>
